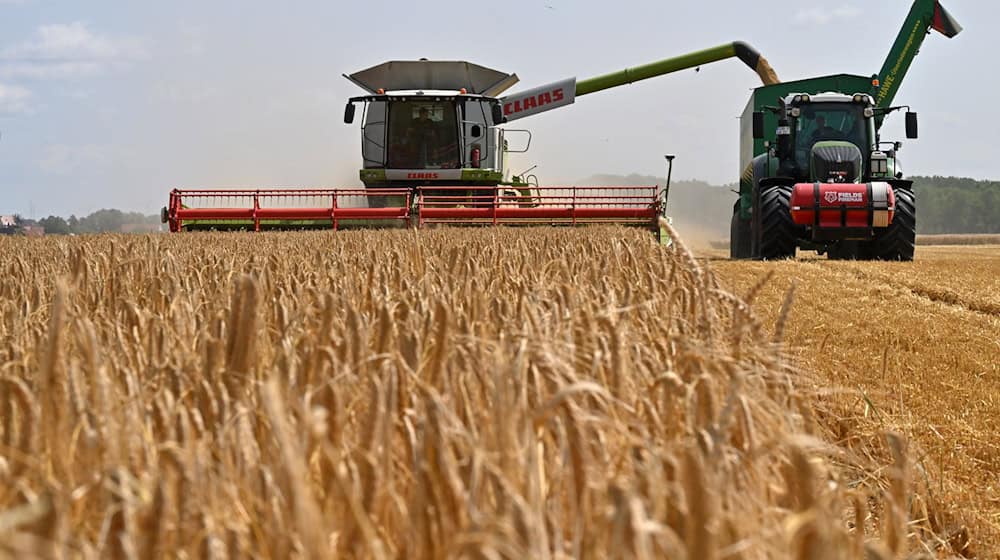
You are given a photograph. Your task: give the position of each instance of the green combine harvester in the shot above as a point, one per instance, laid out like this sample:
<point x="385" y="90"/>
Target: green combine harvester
<point x="817" y="174"/>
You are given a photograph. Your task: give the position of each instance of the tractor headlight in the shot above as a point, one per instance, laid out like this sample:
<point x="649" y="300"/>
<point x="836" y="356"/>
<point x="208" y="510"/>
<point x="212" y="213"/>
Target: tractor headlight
<point x="880" y="163"/>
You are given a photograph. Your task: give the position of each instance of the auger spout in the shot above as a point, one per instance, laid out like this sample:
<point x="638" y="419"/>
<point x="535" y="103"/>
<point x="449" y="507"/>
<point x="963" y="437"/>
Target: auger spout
<point x="564" y="92"/>
<point x="738" y="49"/>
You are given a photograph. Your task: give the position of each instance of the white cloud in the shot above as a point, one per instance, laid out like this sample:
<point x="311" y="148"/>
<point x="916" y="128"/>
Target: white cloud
<point x="825" y="15"/>
<point x="68" y="50"/>
<point x="14" y="100"/>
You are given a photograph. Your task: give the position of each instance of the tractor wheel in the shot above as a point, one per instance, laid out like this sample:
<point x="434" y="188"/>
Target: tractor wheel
<point x="777" y="230"/>
<point x="896" y="242"/>
<point x="739" y="235"/>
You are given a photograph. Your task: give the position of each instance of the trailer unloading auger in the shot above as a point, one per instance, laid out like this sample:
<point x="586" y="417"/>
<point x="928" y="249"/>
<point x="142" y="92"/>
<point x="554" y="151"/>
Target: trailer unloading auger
<point x="433" y="151"/>
<point x="924" y="16"/>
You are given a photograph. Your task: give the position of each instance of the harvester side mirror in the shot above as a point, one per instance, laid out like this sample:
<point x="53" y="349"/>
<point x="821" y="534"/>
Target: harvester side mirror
<point x="911" y="124"/>
<point x="476" y="131"/>
<point x="497" y="113"/>
<point x="758" y="125"/>
<point x="349" y="113"/>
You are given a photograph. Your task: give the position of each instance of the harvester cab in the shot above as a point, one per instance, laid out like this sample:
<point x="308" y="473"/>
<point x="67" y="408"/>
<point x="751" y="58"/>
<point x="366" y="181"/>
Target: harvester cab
<point x="430" y="123"/>
<point x="816" y="174"/>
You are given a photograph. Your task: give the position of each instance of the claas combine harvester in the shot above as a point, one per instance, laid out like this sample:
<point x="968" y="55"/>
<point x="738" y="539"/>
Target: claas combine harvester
<point x="816" y="173"/>
<point x="435" y="149"/>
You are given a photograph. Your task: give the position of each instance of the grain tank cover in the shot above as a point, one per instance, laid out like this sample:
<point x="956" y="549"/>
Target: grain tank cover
<point x="433" y="75"/>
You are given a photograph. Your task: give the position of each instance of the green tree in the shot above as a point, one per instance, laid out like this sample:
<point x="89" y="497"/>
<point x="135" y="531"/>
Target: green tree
<point x="54" y="225"/>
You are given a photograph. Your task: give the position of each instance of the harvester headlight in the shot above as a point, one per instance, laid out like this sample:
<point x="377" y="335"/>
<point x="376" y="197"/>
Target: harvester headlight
<point x="797" y="99"/>
<point x="805" y="99"/>
<point x="869" y="112"/>
<point x="796" y="111"/>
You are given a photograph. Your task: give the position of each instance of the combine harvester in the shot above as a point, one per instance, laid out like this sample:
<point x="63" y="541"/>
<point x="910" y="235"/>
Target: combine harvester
<point x="816" y="173"/>
<point x="434" y="152"/>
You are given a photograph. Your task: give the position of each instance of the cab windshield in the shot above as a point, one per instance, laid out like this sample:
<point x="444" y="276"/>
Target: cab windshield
<point x="423" y="135"/>
<point x="830" y="121"/>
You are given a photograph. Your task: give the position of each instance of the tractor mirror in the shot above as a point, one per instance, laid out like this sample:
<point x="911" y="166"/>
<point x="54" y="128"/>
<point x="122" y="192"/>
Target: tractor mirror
<point x="349" y="113"/>
<point x="476" y="131"/>
<point x="911" y="125"/>
<point x="758" y="125"/>
<point x="497" y="113"/>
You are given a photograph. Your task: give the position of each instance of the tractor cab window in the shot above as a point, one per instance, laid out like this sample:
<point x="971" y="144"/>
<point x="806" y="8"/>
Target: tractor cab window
<point x="423" y="135"/>
<point x="830" y="121"/>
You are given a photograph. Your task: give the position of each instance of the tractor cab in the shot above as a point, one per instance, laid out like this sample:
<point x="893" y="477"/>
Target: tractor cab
<point x="833" y="138"/>
<point x="430" y="123"/>
<point x="827" y="137"/>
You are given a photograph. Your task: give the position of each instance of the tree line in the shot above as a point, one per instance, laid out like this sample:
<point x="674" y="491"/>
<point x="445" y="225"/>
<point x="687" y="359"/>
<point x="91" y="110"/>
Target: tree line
<point x="101" y="221"/>
<point x="944" y="205"/>
<point x="957" y="205"/>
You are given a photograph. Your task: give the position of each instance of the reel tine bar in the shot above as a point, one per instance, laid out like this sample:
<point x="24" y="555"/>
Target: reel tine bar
<point x="457" y="205"/>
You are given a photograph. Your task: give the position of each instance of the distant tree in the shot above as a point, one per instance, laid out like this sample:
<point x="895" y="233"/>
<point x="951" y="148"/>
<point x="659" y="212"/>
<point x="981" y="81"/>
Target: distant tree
<point x="73" y="223"/>
<point x="54" y="225"/>
<point x="957" y="205"/>
<point x="104" y="220"/>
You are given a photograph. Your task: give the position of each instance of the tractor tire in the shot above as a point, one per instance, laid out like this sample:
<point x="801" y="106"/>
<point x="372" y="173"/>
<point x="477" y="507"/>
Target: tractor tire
<point x="778" y="233"/>
<point x="896" y="242"/>
<point x="739" y="235"/>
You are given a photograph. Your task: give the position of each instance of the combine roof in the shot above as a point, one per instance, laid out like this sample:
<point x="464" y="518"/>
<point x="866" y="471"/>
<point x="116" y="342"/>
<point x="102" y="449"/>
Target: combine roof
<point x="433" y="75"/>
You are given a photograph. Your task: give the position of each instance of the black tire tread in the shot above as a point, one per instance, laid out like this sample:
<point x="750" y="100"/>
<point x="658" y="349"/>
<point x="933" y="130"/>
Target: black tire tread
<point x="778" y="232"/>
<point x="897" y="242"/>
<point x="739" y="235"/>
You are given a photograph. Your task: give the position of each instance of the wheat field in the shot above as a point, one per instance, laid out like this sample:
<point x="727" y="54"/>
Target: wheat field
<point x="500" y="393"/>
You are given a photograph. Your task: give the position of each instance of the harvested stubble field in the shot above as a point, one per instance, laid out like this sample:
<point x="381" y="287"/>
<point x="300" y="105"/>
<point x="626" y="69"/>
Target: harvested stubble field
<point x="918" y="345"/>
<point x="449" y="393"/>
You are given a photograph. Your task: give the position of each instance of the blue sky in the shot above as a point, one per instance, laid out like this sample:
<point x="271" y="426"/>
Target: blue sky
<point x="111" y="103"/>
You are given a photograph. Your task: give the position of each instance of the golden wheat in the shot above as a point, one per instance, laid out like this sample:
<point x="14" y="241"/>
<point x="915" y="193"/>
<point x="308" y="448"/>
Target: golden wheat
<point x="397" y="394"/>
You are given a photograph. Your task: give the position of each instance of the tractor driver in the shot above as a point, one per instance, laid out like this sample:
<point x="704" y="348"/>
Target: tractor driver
<point x="422" y="134"/>
<point x="823" y="132"/>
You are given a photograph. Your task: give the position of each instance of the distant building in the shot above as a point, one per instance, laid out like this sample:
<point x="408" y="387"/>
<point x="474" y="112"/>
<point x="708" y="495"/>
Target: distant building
<point x="8" y="225"/>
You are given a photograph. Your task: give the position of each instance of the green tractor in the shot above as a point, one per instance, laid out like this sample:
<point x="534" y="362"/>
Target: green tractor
<point x="817" y="174"/>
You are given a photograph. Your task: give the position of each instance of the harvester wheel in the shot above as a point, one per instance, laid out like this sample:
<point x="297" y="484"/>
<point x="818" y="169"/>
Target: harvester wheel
<point x="896" y="242"/>
<point x="739" y="235"/>
<point x="777" y="230"/>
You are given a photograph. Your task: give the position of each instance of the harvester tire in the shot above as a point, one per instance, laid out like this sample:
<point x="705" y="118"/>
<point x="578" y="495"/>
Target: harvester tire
<point x="777" y="230"/>
<point x="896" y="242"/>
<point x="739" y="235"/>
